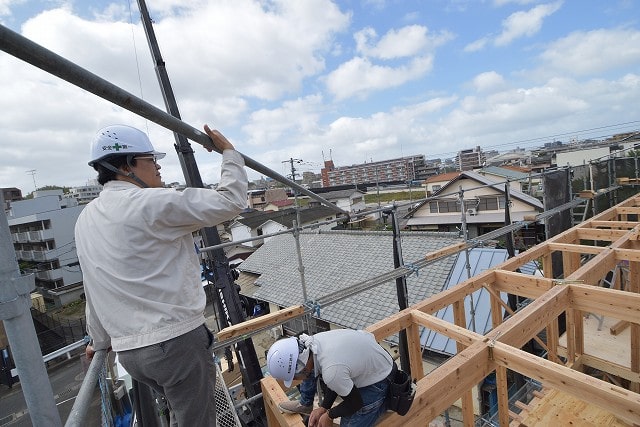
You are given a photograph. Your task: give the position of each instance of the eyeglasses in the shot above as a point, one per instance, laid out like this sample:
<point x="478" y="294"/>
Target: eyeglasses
<point x="154" y="159"/>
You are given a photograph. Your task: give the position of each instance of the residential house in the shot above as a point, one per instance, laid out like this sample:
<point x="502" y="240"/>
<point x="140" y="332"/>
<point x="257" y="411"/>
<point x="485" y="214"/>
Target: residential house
<point x="349" y="200"/>
<point x="252" y="224"/>
<point x="484" y="206"/>
<point x="42" y="230"/>
<point x="258" y="199"/>
<point x="278" y="205"/>
<point x="434" y="183"/>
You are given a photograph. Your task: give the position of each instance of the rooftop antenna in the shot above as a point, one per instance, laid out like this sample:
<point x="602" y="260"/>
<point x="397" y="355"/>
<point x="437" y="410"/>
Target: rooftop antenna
<point x="32" y="172"/>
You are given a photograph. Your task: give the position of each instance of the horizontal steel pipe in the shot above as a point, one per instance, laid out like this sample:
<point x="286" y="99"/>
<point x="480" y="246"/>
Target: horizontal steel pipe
<point x="40" y="57"/>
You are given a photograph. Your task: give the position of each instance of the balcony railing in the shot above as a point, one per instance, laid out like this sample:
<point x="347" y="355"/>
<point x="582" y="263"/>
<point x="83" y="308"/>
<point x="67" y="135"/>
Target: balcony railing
<point x="41" y="235"/>
<point x="43" y="255"/>
<point x="49" y="274"/>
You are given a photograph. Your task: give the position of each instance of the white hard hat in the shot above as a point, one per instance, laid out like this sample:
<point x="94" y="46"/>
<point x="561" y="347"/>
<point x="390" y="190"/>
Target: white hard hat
<point x="282" y="359"/>
<point x="120" y="139"/>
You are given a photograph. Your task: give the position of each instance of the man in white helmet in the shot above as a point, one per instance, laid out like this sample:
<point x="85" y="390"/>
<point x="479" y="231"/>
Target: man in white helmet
<point x="350" y="363"/>
<point x="141" y="273"/>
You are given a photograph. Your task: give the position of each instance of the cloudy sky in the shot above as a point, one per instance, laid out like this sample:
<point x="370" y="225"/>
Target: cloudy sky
<point x="348" y="80"/>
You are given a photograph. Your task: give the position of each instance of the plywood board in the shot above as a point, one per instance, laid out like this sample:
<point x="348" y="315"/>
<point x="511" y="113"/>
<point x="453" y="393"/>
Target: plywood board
<point x="560" y="409"/>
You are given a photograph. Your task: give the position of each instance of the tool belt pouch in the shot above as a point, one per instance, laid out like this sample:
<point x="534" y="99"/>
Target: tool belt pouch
<point x="401" y="391"/>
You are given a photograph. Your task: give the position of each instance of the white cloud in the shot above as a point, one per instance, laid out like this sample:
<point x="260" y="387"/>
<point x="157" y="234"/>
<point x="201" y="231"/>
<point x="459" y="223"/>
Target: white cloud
<point x="406" y="41"/>
<point x="476" y="45"/>
<point x="488" y="82"/>
<point x="359" y="76"/>
<point x="593" y="52"/>
<point x="527" y="23"/>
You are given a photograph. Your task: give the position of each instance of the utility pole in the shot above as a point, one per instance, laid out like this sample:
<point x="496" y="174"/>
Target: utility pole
<point x="227" y="298"/>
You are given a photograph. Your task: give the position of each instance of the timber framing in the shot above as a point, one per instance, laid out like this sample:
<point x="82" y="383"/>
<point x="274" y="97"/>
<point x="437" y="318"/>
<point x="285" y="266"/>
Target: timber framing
<point x="587" y="253"/>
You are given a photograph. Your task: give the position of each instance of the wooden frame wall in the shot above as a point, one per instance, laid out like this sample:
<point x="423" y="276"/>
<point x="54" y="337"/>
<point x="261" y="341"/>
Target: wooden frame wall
<point x="609" y="238"/>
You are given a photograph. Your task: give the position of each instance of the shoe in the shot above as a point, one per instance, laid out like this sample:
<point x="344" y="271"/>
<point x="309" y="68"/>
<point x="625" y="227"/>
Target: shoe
<point x="294" y="407"/>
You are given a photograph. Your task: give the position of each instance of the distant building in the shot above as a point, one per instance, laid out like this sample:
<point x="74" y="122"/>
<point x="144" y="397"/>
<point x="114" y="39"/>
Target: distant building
<point x="86" y="193"/>
<point x="42" y="230"/>
<point x="259" y="199"/>
<point x="252" y="224"/>
<point x="349" y="200"/>
<point x="470" y="159"/>
<point x="484" y="207"/>
<point x="9" y="195"/>
<point x="402" y="169"/>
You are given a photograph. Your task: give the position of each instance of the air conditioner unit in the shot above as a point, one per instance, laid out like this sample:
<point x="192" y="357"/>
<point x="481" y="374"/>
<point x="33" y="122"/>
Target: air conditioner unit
<point x="472" y="211"/>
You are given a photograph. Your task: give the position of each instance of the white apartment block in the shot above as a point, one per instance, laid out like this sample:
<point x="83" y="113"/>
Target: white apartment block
<point x="42" y="230"/>
<point x="86" y="193"/>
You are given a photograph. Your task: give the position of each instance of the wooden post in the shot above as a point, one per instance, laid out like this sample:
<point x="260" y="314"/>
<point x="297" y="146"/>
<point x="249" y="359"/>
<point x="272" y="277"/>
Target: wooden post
<point x="502" y="385"/>
<point x="460" y="319"/>
<point x="634" y="286"/>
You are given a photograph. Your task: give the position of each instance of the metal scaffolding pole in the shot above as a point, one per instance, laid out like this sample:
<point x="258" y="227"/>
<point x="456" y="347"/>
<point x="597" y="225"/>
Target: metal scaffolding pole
<point x="15" y="305"/>
<point x="36" y="55"/>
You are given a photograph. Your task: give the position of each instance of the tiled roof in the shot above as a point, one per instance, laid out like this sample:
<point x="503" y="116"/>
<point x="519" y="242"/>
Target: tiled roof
<point x="503" y="172"/>
<point x="285" y="217"/>
<point x="335" y="260"/>
<point x="442" y="177"/>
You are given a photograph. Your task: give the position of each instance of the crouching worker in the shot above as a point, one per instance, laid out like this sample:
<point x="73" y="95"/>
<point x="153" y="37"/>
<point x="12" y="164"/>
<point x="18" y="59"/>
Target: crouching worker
<point x="350" y="363"/>
<point x="144" y="296"/>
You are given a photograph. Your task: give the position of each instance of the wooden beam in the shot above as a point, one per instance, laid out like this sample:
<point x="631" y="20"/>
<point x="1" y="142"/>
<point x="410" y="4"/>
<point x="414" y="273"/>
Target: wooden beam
<point x="496" y="306"/>
<point x="390" y="325"/>
<point x="457" y="333"/>
<point x="570" y="262"/>
<point x="632" y="255"/>
<point x="580" y="249"/>
<point x="614" y="224"/>
<point x="517" y="330"/>
<point x="272" y="395"/>
<point x="264" y="321"/>
<point x="626" y="210"/>
<point x="620" y="305"/>
<point x="523" y="257"/>
<point x="502" y="386"/>
<point x="521" y="284"/>
<point x="440" y="389"/>
<point x="596" y="268"/>
<point x="456" y="293"/>
<point x="609" y="367"/>
<point x="460" y="320"/>
<point x="446" y="251"/>
<point x="623" y="403"/>
<point x="634" y="286"/>
<point x="618" y="327"/>
<point x="415" y="351"/>
<point x="599" y="234"/>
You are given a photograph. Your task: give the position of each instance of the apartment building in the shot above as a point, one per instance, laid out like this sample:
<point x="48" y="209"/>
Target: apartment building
<point x="42" y="230"/>
<point x="402" y="169"/>
<point x="85" y="193"/>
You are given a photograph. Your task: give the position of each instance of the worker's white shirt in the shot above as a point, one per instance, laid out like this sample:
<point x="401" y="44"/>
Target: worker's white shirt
<point x="140" y="268"/>
<point x="346" y="357"/>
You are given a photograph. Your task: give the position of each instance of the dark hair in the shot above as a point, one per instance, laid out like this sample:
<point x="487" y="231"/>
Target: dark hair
<point x="105" y="175"/>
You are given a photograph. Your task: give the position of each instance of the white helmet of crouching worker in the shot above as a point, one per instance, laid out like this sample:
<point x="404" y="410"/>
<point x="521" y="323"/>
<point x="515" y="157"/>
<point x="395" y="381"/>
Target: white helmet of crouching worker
<point x="120" y="140"/>
<point x="286" y="358"/>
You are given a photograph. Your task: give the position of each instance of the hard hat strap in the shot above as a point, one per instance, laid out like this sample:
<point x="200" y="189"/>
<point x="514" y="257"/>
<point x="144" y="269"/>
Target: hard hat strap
<point x="119" y="172"/>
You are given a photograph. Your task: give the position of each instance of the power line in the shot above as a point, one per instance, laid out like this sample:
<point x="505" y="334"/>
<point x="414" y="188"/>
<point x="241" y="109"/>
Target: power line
<point x="553" y="137"/>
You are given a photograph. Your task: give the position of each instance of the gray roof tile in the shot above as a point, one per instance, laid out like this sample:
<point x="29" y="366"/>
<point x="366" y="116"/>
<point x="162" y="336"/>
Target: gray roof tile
<point x="335" y="260"/>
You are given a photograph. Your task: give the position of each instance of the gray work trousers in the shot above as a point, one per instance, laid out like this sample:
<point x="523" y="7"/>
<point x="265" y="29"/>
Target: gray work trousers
<point x="182" y="369"/>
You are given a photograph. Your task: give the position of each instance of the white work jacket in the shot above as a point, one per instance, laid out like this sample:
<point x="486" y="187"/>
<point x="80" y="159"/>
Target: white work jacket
<point x="139" y="264"/>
